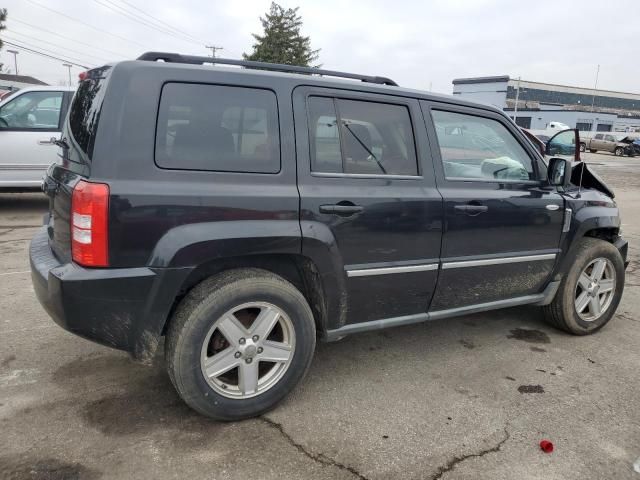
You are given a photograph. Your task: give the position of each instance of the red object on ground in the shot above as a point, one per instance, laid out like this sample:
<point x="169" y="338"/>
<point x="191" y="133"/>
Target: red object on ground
<point x="546" y="446"/>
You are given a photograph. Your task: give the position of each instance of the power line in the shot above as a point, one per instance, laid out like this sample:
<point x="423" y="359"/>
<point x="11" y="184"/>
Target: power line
<point x="30" y="38"/>
<point x="162" y="22"/>
<point x="114" y="7"/>
<point x="86" y="24"/>
<point x="38" y="47"/>
<point x="111" y="52"/>
<point x="43" y="54"/>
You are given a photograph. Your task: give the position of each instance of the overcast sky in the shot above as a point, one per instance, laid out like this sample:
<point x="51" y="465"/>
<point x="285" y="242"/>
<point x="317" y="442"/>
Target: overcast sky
<point x="417" y="43"/>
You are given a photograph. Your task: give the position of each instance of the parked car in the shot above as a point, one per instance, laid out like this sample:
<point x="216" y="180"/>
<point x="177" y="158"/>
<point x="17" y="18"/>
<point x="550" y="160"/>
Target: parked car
<point x="607" y="142"/>
<point x="29" y="118"/>
<point x="245" y="214"/>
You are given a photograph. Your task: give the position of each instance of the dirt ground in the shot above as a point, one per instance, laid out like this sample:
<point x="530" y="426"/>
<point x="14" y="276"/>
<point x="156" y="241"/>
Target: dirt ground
<point x="465" y="398"/>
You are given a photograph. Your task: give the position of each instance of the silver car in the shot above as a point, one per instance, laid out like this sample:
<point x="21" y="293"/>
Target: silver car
<point x="29" y="118"/>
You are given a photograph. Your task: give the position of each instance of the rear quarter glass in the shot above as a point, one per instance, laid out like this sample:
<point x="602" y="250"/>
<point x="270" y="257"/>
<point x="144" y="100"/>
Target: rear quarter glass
<point x="217" y="128"/>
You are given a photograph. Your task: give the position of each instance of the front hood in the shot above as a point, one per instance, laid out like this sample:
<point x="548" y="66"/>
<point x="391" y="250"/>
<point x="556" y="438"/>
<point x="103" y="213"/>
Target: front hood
<point x="582" y="175"/>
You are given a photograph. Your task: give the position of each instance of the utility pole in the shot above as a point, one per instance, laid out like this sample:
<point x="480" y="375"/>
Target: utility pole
<point x="515" y="108"/>
<point x="68" y="65"/>
<point x="595" y="86"/>
<point x="213" y="49"/>
<point x="15" y="60"/>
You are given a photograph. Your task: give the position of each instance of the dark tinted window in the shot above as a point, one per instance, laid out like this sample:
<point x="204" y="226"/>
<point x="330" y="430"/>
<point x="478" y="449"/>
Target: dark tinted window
<point x="373" y="138"/>
<point x="212" y="127"/>
<point x="84" y="113"/>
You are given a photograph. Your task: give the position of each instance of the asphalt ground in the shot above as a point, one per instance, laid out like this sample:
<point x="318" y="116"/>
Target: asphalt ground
<point x="464" y="398"/>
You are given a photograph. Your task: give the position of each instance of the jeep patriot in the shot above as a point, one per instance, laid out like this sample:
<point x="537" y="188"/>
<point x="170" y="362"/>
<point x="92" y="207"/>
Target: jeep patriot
<point x="246" y="213"/>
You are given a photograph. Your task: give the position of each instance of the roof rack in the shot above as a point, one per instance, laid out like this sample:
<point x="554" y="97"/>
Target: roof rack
<point x="197" y="60"/>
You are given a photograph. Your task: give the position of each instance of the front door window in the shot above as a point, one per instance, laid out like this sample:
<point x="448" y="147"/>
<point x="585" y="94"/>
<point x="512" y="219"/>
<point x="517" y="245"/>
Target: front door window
<point x="32" y="111"/>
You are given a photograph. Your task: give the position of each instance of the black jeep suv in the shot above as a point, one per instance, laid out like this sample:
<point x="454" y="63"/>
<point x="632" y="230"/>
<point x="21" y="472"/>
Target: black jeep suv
<point x="243" y="213"/>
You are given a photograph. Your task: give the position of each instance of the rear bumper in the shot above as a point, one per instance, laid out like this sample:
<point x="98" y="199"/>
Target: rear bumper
<point x="123" y="308"/>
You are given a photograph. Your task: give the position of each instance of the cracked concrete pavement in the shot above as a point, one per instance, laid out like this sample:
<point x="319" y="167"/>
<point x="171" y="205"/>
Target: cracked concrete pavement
<point x="465" y="398"/>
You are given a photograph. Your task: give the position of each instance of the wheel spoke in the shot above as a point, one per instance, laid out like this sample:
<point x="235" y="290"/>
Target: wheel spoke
<point x="220" y="363"/>
<point x="264" y="322"/>
<point x="232" y="329"/>
<point x="584" y="281"/>
<point x="582" y="301"/>
<point x="606" y="285"/>
<point x="275" y="352"/>
<point x="248" y="378"/>
<point x="598" y="269"/>
<point x="594" y="306"/>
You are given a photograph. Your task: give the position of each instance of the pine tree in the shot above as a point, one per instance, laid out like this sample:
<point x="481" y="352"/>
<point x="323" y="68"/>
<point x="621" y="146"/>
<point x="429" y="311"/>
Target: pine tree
<point x="3" y="18"/>
<point x="282" y="41"/>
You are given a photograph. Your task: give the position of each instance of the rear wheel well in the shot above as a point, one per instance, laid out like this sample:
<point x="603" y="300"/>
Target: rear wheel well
<point x="296" y="269"/>
<point x="608" y="234"/>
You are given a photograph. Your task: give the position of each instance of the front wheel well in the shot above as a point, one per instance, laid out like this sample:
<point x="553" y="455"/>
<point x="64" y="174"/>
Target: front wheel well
<point x="608" y="234"/>
<point x="296" y="269"/>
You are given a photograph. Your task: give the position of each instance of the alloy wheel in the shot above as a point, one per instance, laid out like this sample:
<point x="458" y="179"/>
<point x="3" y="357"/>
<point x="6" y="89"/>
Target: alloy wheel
<point x="595" y="289"/>
<point x="248" y="350"/>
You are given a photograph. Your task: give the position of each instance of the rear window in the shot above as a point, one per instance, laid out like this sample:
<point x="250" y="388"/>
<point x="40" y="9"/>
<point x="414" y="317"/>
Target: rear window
<point x="84" y="113"/>
<point x="218" y="128"/>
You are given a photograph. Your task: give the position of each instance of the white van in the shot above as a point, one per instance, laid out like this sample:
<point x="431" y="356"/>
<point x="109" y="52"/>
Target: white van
<point x="29" y="118"/>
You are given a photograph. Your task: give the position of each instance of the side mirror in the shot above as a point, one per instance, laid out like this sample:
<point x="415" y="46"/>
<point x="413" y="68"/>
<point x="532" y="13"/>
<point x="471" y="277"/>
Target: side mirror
<point x="566" y="143"/>
<point x="559" y="172"/>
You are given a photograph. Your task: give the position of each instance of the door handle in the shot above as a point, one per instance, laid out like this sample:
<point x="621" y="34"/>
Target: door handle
<point x="51" y="141"/>
<point x="471" y="210"/>
<point x="343" y="209"/>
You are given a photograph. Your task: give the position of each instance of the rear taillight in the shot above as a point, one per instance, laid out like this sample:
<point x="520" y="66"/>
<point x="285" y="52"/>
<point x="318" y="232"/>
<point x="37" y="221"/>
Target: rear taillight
<point x="89" y="222"/>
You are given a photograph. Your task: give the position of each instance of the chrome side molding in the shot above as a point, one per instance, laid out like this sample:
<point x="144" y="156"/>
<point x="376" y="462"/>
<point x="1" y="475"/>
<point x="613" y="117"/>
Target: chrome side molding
<point x="498" y="261"/>
<point x="365" y="272"/>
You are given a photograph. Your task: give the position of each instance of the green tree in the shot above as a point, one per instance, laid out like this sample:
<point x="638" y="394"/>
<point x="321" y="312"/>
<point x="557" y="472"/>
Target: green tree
<point x="281" y="41"/>
<point x="3" y="18"/>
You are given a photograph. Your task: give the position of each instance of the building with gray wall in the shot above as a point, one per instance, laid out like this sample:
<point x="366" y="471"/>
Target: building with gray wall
<point x="540" y="103"/>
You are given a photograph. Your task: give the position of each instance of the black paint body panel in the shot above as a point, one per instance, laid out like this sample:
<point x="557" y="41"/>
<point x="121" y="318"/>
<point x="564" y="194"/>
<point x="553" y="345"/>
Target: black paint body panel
<point x="164" y="225"/>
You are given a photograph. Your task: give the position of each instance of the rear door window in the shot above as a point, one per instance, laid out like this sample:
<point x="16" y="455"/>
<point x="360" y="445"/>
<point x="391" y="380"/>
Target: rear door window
<point x="360" y="137"/>
<point x="218" y="128"/>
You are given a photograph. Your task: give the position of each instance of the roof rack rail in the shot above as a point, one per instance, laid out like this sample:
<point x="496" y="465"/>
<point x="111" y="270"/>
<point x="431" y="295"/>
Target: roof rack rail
<point x="198" y="60"/>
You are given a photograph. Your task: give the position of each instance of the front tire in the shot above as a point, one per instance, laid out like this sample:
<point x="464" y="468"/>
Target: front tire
<point x="583" y="147"/>
<point x="590" y="291"/>
<point x="619" y="152"/>
<point x="239" y="342"/>
<point x="592" y="150"/>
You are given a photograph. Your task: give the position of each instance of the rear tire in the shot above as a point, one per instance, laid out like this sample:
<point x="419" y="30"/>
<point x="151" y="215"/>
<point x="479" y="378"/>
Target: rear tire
<point x="583" y="147"/>
<point x="202" y="337"/>
<point x="563" y="312"/>
<point x="619" y="152"/>
<point x="592" y="150"/>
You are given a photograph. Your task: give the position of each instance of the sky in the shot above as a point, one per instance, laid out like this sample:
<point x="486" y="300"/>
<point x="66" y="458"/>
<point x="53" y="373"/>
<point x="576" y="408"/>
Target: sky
<point x="420" y="44"/>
